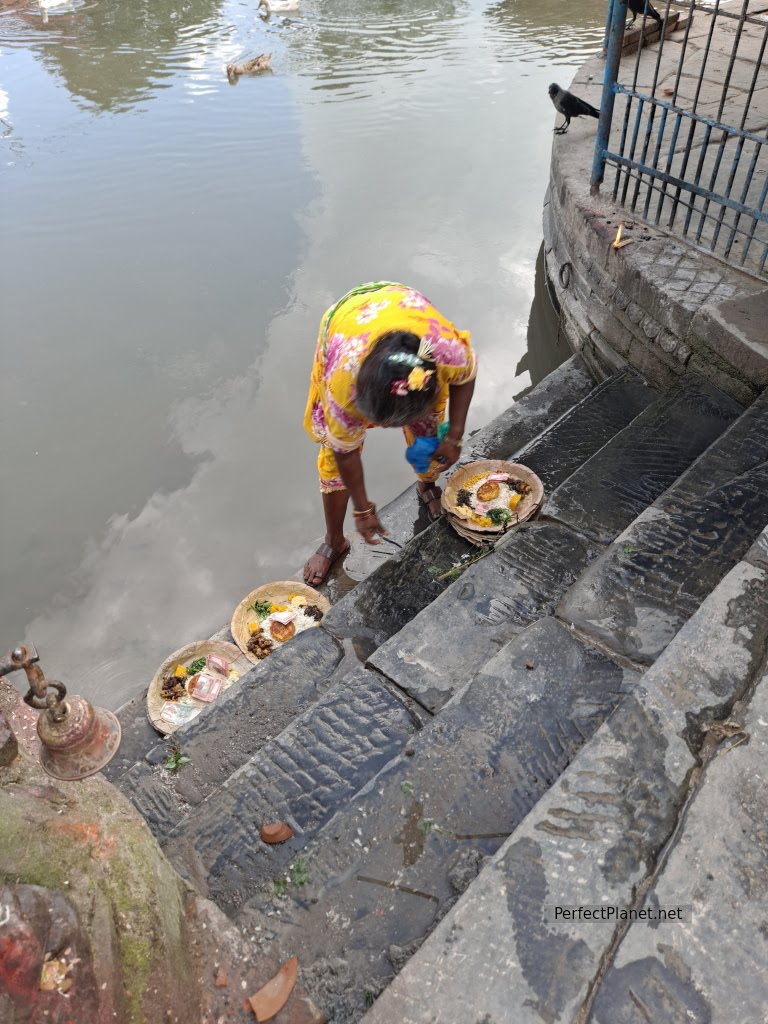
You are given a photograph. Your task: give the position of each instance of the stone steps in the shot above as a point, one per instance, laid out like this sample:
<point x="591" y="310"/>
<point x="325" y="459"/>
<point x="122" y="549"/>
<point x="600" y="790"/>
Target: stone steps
<point x="528" y="573"/>
<point x="301" y="778"/>
<point x="643" y="588"/>
<point x="515" y="427"/>
<point x="387" y="600"/>
<point x="649" y="804"/>
<point x="392" y="861"/>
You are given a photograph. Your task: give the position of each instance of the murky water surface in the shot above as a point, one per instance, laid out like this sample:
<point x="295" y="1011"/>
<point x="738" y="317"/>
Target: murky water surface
<point x="169" y="242"/>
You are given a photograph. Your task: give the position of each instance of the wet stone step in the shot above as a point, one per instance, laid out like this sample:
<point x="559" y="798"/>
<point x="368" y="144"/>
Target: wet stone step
<point x="523" y="421"/>
<point x="638" y="594"/>
<point x="137" y="738"/>
<point x="301" y="778"/>
<point x="740" y="448"/>
<point x="389" y="865"/>
<point x="435" y="654"/>
<point x="229" y="732"/>
<point x="583" y="430"/>
<point x="388" y="599"/>
<point x="596" y="834"/>
<point x="643" y="460"/>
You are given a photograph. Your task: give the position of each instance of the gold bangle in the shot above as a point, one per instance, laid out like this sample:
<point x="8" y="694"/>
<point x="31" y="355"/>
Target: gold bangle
<point x="363" y="514"/>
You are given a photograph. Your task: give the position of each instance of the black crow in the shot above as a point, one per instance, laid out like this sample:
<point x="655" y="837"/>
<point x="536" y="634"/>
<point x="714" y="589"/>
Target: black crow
<point x="569" y="106"/>
<point x="638" y="6"/>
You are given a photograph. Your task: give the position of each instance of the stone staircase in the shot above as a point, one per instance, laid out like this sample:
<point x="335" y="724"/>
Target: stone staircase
<point x="505" y="715"/>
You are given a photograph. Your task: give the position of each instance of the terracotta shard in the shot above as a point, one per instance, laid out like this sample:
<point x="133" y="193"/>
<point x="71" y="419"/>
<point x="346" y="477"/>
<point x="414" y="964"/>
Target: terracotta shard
<point x="277" y="832"/>
<point x="270" y="999"/>
<point x="222" y="979"/>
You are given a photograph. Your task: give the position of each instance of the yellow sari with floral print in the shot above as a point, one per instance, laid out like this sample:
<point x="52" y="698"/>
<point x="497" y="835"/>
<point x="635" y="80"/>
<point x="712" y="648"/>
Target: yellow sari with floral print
<point x="348" y="332"/>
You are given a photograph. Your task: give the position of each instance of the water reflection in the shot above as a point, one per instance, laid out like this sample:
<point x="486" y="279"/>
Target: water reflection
<point x="165" y="268"/>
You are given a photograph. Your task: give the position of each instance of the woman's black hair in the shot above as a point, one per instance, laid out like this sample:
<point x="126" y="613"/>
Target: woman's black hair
<point x="375" y="398"/>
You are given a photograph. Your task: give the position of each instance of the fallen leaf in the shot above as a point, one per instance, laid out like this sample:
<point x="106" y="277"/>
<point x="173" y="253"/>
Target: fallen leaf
<point x="668" y="92"/>
<point x="623" y="242"/>
<point x="270" y="999"/>
<point x="221" y="980"/>
<point x="277" y="832"/>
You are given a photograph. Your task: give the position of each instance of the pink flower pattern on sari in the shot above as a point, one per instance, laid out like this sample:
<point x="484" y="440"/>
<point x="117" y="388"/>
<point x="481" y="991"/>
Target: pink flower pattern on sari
<point x="413" y="300"/>
<point x="370" y="311"/>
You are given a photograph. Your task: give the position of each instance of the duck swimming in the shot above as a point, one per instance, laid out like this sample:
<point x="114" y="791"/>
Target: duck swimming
<point x="251" y="67"/>
<point x="278" y="6"/>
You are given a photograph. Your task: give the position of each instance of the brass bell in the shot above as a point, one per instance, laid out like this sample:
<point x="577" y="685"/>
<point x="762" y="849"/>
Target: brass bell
<point x="78" y="739"/>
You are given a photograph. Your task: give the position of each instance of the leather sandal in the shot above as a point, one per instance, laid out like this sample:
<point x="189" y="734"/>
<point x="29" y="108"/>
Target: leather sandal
<point x="427" y="496"/>
<point x="332" y="556"/>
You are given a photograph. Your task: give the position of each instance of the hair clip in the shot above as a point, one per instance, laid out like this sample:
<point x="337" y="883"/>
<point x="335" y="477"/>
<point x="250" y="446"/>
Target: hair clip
<point x="399" y="387"/>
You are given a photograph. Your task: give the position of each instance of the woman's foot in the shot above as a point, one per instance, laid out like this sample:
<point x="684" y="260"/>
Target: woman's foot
<point x="318" y="567"/>
<point x="429" y="495"/>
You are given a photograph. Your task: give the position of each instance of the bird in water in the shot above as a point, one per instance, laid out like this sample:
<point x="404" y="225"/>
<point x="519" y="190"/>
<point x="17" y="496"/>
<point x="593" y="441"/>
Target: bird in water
<point x="251" y="67"/>
<point x="278" y="6"/>
<point x="638" y="6"/>
<point x="569" y="106"/>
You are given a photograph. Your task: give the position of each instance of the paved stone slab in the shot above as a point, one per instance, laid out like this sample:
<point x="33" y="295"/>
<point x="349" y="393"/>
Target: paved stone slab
<point x="391" y="863"/>
<point x="393" y="595"/>
<point x="228" y="733"/>
<point x="638" y="594"/>
<point x="643" y="460"/>
<point x="710" y="968"/>
<point x="524" y="420"/>
<point x="583" y="430"/>
<point x="735" y="330"/>
<point x="320" y="761"/>
<point x="592" y="838"/>
<point x="435" y="654"/>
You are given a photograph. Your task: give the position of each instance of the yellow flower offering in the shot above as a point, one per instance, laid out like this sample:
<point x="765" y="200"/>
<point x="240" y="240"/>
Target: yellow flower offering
<point x="254" y="627"/>
<point x="180" y="672"/>
<point x="278" y="608"/>
<point x="298" y="601"/>
<point x="418" y="378"/>
<point x="515" y="500"/>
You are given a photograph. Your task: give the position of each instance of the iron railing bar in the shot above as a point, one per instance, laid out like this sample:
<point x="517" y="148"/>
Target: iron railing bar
<point x="625" y="126"/>
<point x="740" y="144"/>
<point x="744" y="193"/>
<point x="633" y="146"/>
<point x="608" y="96"/>
<point x="712" y="9"/>
<point x="721" y="107"/>
<point x="641" y="101"/>
<point x="698" y="118"/>
<point x="673" y="101"/>
<point x="687" y="186"/>
<point x="652" y="112"/>
<point x="686" y="156"/>
<point x="753" y="228"/>
<point x="622" y="143"/>
<point x="651" y="184"/>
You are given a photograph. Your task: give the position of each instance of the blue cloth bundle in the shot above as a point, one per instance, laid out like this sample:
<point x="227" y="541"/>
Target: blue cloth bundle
<point x="419" y="454"/>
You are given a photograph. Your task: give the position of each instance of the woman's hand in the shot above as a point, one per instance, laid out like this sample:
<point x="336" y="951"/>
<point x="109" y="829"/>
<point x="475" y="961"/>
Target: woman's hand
<point x="370" y="527"/>
<point x="447" y="453"/>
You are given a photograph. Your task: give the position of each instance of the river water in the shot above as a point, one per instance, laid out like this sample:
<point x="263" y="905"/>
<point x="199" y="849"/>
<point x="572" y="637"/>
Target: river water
<point x="169" y="243"/>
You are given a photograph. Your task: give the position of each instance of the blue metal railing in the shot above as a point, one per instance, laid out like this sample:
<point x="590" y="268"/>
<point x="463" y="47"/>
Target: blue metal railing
<point x="689" y="146"/>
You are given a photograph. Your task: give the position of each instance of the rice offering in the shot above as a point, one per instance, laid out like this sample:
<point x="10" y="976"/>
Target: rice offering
<point x="491" y="499"/>
<point x="275" y="624"/>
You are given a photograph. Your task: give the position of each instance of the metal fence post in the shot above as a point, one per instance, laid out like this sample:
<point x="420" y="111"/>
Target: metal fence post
<point x="615" y="39"/>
